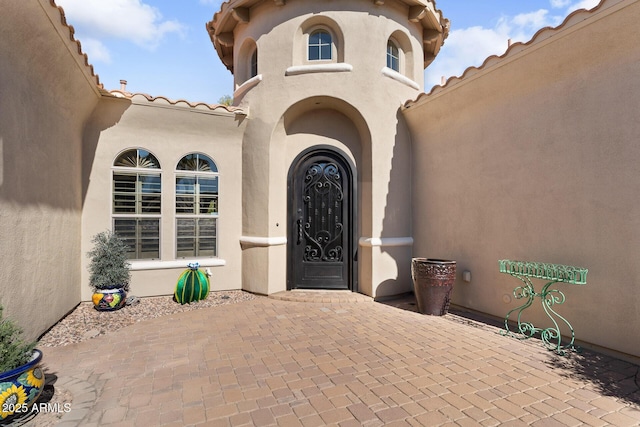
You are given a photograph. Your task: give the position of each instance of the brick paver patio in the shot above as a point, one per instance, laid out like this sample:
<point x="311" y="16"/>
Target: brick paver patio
<point x="334" y="362"/>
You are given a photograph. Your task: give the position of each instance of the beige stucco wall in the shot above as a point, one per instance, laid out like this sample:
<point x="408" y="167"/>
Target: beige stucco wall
<point x="535" y="157"/>
<point x="355" y="109"/>
<point x="46" y="95"/>
<point x="169" y="132"/>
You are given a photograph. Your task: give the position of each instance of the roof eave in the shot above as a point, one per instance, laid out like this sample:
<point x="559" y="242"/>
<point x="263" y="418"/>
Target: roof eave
<point x="233" y="12"/>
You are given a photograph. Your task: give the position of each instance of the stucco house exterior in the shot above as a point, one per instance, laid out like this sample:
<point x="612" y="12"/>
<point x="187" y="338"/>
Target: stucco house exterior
<point x="333" y="167"/>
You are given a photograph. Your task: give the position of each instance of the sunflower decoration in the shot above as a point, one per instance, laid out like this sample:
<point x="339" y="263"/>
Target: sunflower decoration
<point x="11" y="398"/>
<point x="32" y="378"/>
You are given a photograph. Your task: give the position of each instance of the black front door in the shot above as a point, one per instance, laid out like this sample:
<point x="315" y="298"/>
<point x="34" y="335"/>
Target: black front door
<point x="320" y="240"/>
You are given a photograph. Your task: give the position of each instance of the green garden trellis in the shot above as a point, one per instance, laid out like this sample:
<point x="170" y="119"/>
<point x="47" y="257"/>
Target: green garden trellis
<point x="193" y="285"/>
<point x="554" y="273"/>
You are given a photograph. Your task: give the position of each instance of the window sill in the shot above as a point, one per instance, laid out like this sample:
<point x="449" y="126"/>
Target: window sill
<point x="385" y="241"/>
<point x="392" y="74"/>
<point x="339" y="67"/>
<point x="247" y="242"/>
<point x="161" y="265"/>
<point x="244" y="87"/>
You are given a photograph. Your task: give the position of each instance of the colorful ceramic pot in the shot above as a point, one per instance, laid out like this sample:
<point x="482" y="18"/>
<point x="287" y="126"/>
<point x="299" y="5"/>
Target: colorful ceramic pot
<point x="109" y="299"/>
<point x="20" y="387"/>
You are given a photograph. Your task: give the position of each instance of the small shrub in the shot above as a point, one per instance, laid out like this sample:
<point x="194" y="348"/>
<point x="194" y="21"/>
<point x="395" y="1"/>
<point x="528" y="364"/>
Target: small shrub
<point x="14" y="351"/>
<point x="109" y="266"/>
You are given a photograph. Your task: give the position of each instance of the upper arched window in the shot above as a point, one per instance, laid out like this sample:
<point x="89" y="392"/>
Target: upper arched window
<point x="137" y="202"/>
<point x="393" y="56"/>
<point x="320" y="46"/>
<point x="400" y="57"/>
<point x="137" y="158"/>
<point x="196" y="206"/>
<point x="253" y="65"/>
<point x="318" y="39"/>
<point x="197" y="163"/>
<point x="246" y="66"/>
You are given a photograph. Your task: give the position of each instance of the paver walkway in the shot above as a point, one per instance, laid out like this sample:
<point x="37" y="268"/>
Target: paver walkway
<point x="274" y="362"/>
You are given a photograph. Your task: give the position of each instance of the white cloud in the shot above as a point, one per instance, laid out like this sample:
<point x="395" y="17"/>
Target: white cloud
<point x="463" y="48"/>
<point x="526" y="23"/>
<point x="584" y="4"/>
<point x="469" y="47"/>
<point x="522" y="27"/>
<point x="126" y="19"/>
<point x="96" y="50"/>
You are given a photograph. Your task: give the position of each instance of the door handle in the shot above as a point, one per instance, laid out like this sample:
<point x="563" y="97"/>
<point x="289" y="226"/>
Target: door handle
<point x="299" y="230"/>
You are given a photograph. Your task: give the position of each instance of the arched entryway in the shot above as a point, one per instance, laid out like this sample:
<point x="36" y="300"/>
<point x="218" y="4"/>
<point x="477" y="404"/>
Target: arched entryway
<point x="321" y="241"/>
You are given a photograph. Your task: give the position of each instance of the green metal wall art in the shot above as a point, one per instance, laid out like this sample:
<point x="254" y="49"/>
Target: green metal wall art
<point x="193" y="285"/>
<point x="553" y="273"/>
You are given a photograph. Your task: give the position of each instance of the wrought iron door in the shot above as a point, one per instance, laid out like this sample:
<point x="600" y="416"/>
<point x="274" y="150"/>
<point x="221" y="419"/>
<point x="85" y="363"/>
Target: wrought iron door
<point x="320" y="235"/>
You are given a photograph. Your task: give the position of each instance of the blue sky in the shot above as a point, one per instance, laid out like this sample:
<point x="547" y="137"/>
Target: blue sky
<point x="161" y="47"/>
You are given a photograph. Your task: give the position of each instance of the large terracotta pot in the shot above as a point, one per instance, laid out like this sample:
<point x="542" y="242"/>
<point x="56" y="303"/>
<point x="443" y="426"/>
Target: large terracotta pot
<point x="109" y="299"/>
<point x="433" y="283"/>
<point x="20" y="387"/>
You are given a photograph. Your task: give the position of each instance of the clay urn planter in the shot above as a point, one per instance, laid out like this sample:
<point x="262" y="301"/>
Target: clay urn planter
<point x="432" y="284"/>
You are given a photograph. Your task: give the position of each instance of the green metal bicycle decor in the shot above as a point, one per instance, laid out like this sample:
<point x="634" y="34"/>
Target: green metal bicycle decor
<point x="554" y="273"/>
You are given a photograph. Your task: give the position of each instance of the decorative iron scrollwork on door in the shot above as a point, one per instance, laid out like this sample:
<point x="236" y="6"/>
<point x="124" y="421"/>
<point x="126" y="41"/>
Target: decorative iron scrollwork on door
<point x="322" y="215"/>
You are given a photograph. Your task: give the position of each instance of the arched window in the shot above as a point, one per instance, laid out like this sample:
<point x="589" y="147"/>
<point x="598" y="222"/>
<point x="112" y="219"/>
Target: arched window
<point x="137" y="202"/>
<point x="320" y="46"/>
<point x="393" y="56"/>
<point x="253" y="66"/>
<point x="196" y="206"/>
<point x="318" y="39"/>
<point x="246" y="66"/>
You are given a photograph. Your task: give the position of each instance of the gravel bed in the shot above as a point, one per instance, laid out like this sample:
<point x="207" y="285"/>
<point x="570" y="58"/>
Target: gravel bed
<point x="85" y="322"/>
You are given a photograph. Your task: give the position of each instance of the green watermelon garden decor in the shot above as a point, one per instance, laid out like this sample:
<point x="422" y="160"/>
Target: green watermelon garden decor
<point x="193" y="285"/>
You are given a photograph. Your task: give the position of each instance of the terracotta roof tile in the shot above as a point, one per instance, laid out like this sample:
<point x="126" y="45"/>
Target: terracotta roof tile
<point x="121" y="94"/>
<point x="63" y="20"/>
<point x="178" y="103"/>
